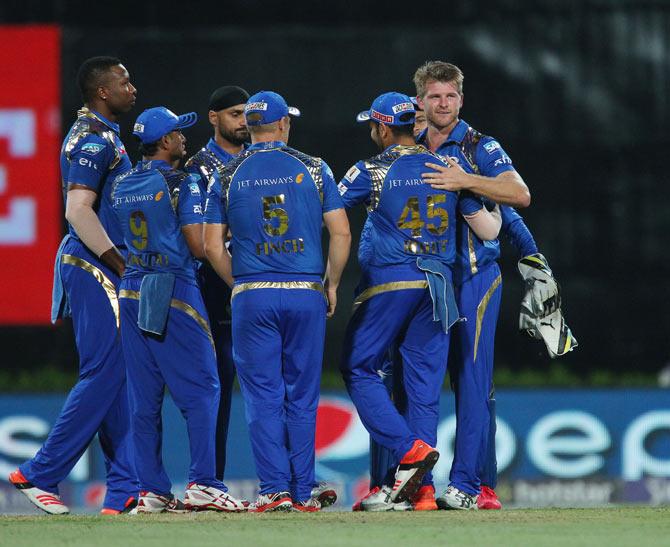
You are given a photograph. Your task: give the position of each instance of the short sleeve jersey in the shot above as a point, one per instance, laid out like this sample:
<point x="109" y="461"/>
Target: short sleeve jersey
<point x="92" y="156"/>
<point x="406" y="217"/>
<point x="152" y="203"/>
<point x="273" y="197"/>
<point x="485" y="157"/>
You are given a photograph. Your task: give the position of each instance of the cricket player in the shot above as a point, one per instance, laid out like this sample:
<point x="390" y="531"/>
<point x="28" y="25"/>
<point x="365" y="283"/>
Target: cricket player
<point x="164" y="325"/>
<point x="274" y="199"/>
<point x="226" y="115"/>
<point x="405" y="296"/>
<point x="439" y="88"/>
<point x="88" y="267"/>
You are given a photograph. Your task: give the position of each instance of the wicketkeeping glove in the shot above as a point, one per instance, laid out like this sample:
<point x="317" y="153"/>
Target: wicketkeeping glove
<point x="541" y="315"/>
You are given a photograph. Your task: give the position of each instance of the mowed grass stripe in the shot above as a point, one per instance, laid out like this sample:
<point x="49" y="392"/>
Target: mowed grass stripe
<point x="625" y="526"/>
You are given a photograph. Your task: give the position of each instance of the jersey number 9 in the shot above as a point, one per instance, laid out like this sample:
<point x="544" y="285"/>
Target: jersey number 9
<point x="138" y="227"/>
<point x="271" y="213"/>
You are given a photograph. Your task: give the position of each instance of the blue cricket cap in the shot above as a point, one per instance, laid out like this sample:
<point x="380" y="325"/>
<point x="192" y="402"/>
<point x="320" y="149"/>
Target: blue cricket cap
<point x="155" y="122"/>
<point x="267" y="107"/>
<point x="389" y="109"/>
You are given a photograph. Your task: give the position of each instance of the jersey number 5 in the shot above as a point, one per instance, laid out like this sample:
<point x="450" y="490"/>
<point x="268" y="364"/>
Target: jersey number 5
<point x="270" y="213"/>
<point x="410" y="218"/>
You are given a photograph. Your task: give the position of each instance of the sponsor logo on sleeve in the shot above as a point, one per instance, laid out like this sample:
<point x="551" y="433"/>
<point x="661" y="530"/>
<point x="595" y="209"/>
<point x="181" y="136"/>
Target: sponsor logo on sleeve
<point x="92" y="148"/>
<point x="352" y="174"/>
<point x="503" y="160"/>
<point x="492" y="146"/>
<point x="342" y="188"/>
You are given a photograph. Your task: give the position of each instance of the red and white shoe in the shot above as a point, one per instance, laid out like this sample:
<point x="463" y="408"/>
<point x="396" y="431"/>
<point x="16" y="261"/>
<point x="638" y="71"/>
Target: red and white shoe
<point x="488" y="499"/>
<point x="207" y="498"/>
<point x="131" y="503"/>
<point x="424" y="499"/>
<point x="46" y="501"/>
<point x="275" y="501"/>
<point x="156" y="503"/>
<point x="413" y="466"/>
<point x="324" y="494"/>
<point x="311" y="505"/>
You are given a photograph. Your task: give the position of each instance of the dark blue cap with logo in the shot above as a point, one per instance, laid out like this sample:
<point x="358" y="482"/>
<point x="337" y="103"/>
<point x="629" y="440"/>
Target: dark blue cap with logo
<point x="267" y="107"/>
<point x="155" y="122"/>
<point x="389" y="109"/>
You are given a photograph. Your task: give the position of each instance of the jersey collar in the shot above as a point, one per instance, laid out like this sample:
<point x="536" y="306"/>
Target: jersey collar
<point x="85" y="111"/>
<point x="455" y="137"/>
<point x="219" y="152"/>
<point x="267" y="145"/>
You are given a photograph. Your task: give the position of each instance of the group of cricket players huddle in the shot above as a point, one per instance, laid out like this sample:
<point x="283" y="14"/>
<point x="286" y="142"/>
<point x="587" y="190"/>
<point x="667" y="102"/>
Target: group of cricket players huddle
<point x="184" y="278"/>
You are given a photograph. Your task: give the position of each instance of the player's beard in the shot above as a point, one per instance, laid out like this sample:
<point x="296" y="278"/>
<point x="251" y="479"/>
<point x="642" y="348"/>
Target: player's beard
<point x="236" y="137"/>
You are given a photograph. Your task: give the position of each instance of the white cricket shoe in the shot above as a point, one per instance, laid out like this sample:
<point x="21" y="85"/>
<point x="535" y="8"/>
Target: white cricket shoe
<point x="46" y="501"/>
<point x="453" y="498"/>
<point x="156" y="503"/>
<point x="199" y="497"/>
<point x="379" y="499"/>
<point x="324" y="494"/>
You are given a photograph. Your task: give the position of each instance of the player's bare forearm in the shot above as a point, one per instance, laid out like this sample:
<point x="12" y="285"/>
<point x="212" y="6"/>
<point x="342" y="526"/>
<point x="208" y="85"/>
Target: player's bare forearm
<point x="80" y="214"/>
<point x="194" y="236"/>
<point x="507" y="188"/>
<point x="486" y="225"/>
<point x="216" y="252"/>
<point x="337" y="224"/>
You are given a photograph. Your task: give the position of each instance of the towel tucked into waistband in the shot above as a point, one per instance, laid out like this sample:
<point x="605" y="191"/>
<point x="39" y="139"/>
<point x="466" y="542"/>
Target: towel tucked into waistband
<point x="441" y="289"/>
<point x="155" y="297"/>
<point x="60" y="308"/>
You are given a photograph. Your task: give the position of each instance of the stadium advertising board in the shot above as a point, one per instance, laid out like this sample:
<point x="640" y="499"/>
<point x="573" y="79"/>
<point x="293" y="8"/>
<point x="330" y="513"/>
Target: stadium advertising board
<point x="554" y="448"/>
<point x="30" y="202"/>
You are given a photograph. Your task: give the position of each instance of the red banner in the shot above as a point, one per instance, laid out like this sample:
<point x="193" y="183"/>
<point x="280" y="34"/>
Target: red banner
<point x="30" y="196"/>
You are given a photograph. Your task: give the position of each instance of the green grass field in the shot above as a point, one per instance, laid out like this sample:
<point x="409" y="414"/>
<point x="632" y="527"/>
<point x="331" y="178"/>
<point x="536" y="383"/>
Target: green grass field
<point x="625" y="526"/>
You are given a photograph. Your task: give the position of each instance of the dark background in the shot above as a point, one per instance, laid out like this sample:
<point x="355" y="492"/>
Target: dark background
<point x="578" y="93"/>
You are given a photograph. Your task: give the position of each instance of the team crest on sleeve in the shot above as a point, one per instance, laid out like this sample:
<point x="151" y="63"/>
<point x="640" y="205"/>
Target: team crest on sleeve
<point x="92" y="148"/>
<point x="352" y="174"/>
<point x="492" y="146"/>
<point x="194" y="188"/>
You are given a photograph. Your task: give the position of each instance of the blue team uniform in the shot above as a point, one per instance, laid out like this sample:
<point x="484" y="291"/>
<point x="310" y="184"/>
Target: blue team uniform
<point x="273" y="198"/>
<point x="164" y="324"/>
<point x="208" y="163"/>
<point x="85" y="289"/>
<point x="407" y="242"/>
<point x="479" y="289"/>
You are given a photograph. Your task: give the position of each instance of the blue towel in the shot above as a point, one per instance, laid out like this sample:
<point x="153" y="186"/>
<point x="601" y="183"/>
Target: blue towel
<point x="155" y="297"/>
<point x="441" y="291"/>
<point x="60" y="307"/>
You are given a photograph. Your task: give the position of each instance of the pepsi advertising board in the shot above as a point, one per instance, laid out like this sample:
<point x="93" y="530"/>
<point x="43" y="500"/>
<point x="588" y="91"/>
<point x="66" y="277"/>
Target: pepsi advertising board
<point x="554" y="448"/>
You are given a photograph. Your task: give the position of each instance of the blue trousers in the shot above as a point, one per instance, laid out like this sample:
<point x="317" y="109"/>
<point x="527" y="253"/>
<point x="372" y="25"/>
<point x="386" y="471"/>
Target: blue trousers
<point x="98" y="403"/>
<point x="216" y="295"/>
<point x="278" y="337"/>
<point x="182" y="359"/>
<point x="403" y="318"/>
<point x="472" y="374"/>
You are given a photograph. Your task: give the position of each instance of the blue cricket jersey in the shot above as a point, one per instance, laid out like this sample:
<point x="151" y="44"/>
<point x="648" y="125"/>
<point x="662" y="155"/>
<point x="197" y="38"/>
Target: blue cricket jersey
<point x="485" y="157"/>
<point x="273" y="197"/>
<point x="209" y="162"/>
<point x="407" y="218"/>
<point x="93" y="155"/>
<point x="152" y="203"/>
